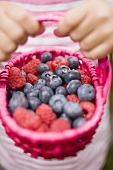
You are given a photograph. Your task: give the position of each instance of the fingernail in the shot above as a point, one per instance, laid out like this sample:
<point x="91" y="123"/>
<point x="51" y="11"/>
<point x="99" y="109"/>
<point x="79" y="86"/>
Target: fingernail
<point x="58" y="34"/>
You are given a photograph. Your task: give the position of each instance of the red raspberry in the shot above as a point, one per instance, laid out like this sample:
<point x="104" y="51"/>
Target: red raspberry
<point x="31" y="78"/>
<point x="73" y="98"/>
<point x="82" y="72"/>
<point x="60" y="125"/>
<point x="16" y="79"/>
<point x="88" y="109"/>
<point x="46" y="113"/>
<point x="49" y="63"/>
<point x="57" y="63"/>
<point x="31" y="66"/>
<point x="26" y="119"/>
<point x="85" y="79"/>
<point x="43" y="128"/>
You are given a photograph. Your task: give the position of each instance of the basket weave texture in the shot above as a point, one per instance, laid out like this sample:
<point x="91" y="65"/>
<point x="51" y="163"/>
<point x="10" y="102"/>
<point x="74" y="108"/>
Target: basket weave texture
<point x="56" y="145"/>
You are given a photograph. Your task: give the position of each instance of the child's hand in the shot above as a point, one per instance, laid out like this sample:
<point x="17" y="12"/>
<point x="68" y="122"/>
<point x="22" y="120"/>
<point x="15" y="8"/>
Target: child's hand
<point x="91" y="24"/>
<point x="16" y="24"/>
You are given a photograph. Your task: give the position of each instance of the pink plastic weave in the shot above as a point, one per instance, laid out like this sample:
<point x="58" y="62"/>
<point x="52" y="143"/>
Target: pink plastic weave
<point x="68" y="143"/>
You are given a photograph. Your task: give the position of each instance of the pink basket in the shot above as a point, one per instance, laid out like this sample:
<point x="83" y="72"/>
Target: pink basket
<point x="56" y="145"/>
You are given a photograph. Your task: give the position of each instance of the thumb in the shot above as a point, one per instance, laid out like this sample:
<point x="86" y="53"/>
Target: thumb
<point x="71" y="20"/>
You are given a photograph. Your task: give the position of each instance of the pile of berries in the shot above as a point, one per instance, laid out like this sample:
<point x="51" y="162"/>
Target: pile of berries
<point x="50" y="95"/>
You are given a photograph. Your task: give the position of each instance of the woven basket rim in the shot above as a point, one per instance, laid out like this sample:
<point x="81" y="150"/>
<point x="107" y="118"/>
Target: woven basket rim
<point x="53" y="136"/>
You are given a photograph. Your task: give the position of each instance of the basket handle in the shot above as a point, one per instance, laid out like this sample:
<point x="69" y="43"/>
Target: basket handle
<point x="105" y="75"/>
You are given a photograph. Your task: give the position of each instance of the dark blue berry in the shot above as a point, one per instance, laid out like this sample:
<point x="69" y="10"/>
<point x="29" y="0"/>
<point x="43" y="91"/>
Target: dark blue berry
<point x="39" y="84"/>
<point x="44" y="96"/>
<point x="18" y="94"/>
<point x="46" y="88"/>
<point x="64" y="116"/>
<point x="73" y="62"/>
<point x="46" y="56"/>
<point x="73" y="86"/>
<point x="33" y="93"/>
<point x="78" y="122"/>
<point x="27" y="88"/>
<point x="23" y="73"/>
<point x="61" y="90"/>
<point x="72" y="110"/>
<point x="46" y="75"/>
<point x="59" y="58"/>
<point x="17" y="101"/>
<point x="72" y="75"/>
<point x="34" y="102"/>
<point x="57" y="102"/>
<point x="61" y="71"/>
<point x="54" y="81"/>
<point x="42" y="68"/>
<point x="86" y="92"/>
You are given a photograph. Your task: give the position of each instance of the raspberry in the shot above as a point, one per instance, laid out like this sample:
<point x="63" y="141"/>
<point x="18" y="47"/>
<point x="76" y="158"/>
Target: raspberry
<point x="88" y="108"/>
<point x="57" y="63"/>
<point x="60" y="125"/>
<point x="46" y="113"/>
<point x="49" y="63"/>
<point x="16" y="79"/>
<point x="31" y="66"/>
<point x="43" y="128"/>
<point x="85" y="79"/>
<point x="82" y="72"/>
<point x="26" y="119"/>
<point x="31" y="78"/>
<point x="73" y="98"/>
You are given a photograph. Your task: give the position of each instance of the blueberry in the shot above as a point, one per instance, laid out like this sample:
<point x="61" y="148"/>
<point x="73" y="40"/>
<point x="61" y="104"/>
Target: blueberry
<point x="44" y="96"/>
<point x="46" y="74"/>
<point x="73" y="62"/>
<point x="72" y="109"/>
<point x="54" y="81"/>
<point x="61" y="90"/>
<point x="42" y="68"/>
<point x="46" y="56"/>
<point x="57" y="102"/>
<point x="72" y="75"/>
<point x="78" y="122"/>
<point x="34" y="102"/>
<point x="39" y="84"/>
<point x="17" y="101"/>
<point x="27" y="88"/>
<point x="33" y="93"/>
<point x="61" y="71"/>
<point x="86" y="92"/>
<point x="23" y="73"/>
<point x="59" y="58"/>
<point x="18" y="94"/>
<point x="73" y="86"/>
<point x="64" y="116"/>
<point x="46" y="88"/>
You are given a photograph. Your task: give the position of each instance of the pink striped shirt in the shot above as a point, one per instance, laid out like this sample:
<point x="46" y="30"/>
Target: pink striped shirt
<point x="94" y="155"/>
